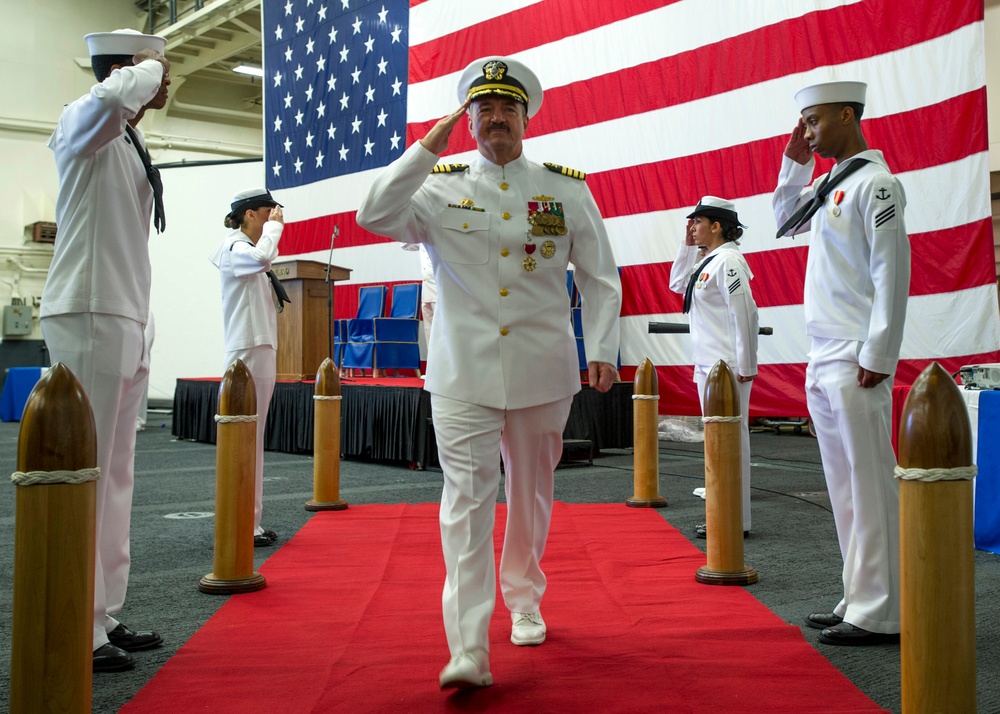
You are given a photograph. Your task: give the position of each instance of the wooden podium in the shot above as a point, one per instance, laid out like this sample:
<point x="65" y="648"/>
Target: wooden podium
<point x="303" y="329"/>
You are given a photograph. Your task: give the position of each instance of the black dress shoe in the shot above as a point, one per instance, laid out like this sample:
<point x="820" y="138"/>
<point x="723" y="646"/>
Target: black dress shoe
<point x="701" y="531"/>
<point x="270" y="534"/>
<point x="847" y="634"/>
<point x="123" y="638"/>
<point x="823" y="620"/>
<point x="108" y="658"/>
<point x="262" y="541"/>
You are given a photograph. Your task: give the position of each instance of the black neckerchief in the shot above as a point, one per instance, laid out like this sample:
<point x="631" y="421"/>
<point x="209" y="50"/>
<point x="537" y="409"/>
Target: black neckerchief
<point x="153" y="174"/>
<point x="689" y="293"/>
<point x="807" y="210"/>
<point x="279" y="289"/>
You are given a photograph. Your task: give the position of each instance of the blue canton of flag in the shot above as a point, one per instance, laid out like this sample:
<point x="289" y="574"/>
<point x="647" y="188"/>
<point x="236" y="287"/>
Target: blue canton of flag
<point x="335" y="76"/>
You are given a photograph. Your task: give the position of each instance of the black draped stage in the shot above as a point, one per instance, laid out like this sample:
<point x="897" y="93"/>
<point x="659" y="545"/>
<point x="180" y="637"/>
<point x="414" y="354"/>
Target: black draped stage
<point x="385" y="419"/>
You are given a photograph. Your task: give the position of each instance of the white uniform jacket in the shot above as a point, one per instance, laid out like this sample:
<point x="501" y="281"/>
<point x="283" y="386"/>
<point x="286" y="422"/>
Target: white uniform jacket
<point x="248" y="311"/>
<point x="501" y="335"/>
<point x="723" y="317"/>
<point x="101" y="258"/>
<point x="858" y="272"/>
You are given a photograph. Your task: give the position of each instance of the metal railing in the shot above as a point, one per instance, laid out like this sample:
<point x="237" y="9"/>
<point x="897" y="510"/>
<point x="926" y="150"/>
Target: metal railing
<point x="164" y="13"/>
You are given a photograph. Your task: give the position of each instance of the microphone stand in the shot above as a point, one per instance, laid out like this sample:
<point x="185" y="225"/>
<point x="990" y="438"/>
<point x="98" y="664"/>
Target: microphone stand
<point x="329" y="297"/>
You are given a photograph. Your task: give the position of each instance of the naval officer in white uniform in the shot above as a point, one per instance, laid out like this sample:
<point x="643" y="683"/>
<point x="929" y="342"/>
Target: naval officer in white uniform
<point x="249" y="318"/>
<point x="96" y="299"/>
<point x="856" y="288"/>
<point x="500" y="233"/>
<point x="712" y="274"/>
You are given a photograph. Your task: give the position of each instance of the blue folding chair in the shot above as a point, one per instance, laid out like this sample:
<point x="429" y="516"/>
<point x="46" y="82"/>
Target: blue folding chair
<point x="359" y="350"/>
<point x="397" y="337"/>
<point x="339" y="341"/>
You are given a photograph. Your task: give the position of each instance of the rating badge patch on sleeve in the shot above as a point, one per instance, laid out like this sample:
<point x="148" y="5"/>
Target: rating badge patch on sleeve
<point x="885" y="208"/>
<point x="734" y="282"/>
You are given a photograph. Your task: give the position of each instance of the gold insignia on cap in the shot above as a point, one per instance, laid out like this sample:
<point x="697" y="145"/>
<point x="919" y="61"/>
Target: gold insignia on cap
<point x="494" y="70"/>
<point x="572" y="173"/>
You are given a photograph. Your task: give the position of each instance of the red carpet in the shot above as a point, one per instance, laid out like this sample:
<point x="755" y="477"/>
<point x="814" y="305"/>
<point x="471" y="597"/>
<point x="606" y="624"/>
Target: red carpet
<point x="353" y="604"/>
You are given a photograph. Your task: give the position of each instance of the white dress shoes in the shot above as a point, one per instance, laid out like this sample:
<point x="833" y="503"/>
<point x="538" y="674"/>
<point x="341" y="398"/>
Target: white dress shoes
<point x="467" y="670"/>
<point x="528" y="628"/>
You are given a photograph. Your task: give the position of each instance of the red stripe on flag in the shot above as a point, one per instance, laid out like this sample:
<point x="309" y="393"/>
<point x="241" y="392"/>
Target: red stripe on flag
<point x="751" y="169"/>
<point x="532" y="26"/>
<point x="722" y="66"/>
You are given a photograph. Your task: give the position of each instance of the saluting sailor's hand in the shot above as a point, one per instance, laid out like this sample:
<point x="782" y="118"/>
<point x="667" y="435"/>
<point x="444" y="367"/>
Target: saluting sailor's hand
<point x="689" y="233"/>
<point x="798" y="147"/>
<point x="437" y="138"/>
<point x="277" y="214"/>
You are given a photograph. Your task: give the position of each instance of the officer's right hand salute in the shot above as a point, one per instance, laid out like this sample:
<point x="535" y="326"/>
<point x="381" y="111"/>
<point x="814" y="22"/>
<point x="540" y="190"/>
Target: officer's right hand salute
<point x="437" y="138"/>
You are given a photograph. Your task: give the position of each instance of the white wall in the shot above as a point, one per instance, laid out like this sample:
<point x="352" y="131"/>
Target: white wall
<point x="186" y="298"/>
<point x="38" y="75"/>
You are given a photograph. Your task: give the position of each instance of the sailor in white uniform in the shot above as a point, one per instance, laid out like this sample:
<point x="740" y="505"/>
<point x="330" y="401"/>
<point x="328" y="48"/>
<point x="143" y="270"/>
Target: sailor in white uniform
<point x="96" y="299"/>
<point x="714" y="277"/>
<point x="856" y="288"/>
<point x="248" y="310"/>
<point x="503" y="365"/>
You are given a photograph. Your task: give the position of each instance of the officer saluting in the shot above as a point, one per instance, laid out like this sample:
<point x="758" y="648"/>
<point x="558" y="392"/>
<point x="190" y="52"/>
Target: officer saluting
<point x="500" y="233"/>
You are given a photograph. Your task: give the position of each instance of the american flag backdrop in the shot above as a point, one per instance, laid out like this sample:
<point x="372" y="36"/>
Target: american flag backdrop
<point x="660" y="103"/>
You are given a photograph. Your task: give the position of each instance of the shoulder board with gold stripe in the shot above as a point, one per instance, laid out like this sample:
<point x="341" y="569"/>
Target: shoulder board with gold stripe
<point x="450" y="168"/>
<point x="572" y="173"/>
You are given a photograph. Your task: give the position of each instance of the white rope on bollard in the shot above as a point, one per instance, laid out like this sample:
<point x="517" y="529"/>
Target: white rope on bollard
<point x="35" y="478"/>
<point x="721" y="419"/>
<point x="234" y="418"/>
<point x="650" y="397"/>
<point x="325" y="398"/>
<point x="959" y="473"/>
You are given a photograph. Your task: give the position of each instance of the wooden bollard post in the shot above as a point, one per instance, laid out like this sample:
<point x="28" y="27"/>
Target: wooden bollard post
<point x="235" y="467"/>
<point x="723" y="483"/>
<point x="937" y="602"/>
<point x="326" y="441"/>
<point x="646" y="461"/>
<point x="52" y="637"/>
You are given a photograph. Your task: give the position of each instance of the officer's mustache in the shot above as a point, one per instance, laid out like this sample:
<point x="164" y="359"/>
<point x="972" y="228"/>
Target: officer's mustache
<point x="499" y="127"/>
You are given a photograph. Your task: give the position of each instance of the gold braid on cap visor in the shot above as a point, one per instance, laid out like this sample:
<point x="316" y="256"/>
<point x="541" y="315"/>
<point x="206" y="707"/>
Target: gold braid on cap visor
<point x="503" y="89"/>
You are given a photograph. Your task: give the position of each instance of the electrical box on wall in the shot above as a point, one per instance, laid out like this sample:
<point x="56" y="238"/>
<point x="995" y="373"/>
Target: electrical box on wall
<point x="17" y="320"/>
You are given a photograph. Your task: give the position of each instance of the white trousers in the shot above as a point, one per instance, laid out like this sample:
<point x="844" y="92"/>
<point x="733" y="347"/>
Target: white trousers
<point x="107" y="353"/>
<point x="262" y="363"/>
<point x="854" y="430"/>
<point x="471" y="441"/>
<point x="700" y="376"/>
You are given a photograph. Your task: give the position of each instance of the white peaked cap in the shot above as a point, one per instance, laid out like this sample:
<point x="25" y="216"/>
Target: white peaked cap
<point x="501" y="76"/>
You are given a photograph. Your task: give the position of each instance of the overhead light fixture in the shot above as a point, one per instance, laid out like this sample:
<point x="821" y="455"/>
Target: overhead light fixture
<point x="247" y="69"/>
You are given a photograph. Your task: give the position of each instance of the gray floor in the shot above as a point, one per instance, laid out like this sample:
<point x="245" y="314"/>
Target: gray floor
<point x="793" y="545"/>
